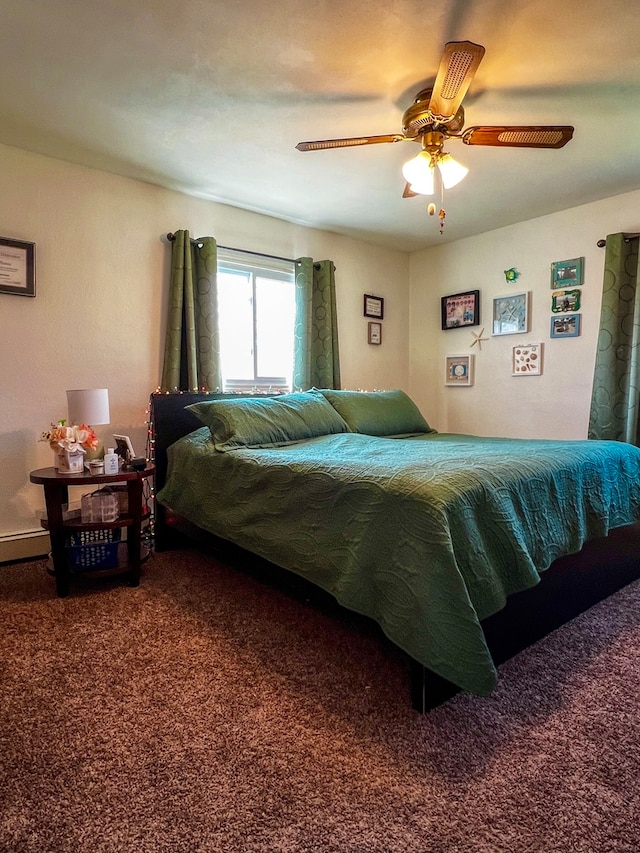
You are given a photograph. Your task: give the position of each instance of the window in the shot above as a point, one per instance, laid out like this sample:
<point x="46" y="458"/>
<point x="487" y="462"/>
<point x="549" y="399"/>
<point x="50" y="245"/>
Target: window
<point x="256" y="305"/>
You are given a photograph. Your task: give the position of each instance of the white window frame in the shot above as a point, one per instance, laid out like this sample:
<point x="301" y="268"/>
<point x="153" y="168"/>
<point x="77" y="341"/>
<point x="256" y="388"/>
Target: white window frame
<point x="279" y="269"/>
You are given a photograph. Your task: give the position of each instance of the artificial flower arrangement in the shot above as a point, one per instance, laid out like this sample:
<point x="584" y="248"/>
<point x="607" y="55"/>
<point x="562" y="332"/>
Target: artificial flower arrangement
<point x="73" y="439"/>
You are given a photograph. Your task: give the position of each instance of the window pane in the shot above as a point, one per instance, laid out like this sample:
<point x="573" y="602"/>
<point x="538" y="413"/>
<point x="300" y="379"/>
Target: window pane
<point x="256" y="300"/>
<point x="236" y="324"/>
<point x="275" y="320"/>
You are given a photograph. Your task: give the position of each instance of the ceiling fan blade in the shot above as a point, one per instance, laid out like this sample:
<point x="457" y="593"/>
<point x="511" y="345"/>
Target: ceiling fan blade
<point x="458" y="65"/>
<point x="514" y="136"/>
<point x="323" y="144"/>
<point x="408" y="192"/>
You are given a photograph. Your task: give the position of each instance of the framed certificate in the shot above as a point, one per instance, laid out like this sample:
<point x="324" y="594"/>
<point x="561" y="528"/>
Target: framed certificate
<point x="17" y="267"/>
<point x="373" y="306"/>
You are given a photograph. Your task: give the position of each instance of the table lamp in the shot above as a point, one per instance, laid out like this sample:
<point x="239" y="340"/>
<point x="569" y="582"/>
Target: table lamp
<point x="89" y="406"/>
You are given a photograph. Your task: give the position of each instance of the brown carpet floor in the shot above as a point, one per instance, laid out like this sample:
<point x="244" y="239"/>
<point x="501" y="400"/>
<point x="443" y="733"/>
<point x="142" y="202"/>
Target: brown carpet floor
<point x="209" y="711"/>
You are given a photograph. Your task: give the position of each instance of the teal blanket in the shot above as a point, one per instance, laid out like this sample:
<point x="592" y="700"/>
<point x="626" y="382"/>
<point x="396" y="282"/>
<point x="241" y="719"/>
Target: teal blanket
<point x="427" y="535"/>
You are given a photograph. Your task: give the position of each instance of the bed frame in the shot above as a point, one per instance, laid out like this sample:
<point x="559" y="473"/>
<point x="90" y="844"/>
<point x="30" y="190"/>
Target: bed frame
<point x="570" y="586"/>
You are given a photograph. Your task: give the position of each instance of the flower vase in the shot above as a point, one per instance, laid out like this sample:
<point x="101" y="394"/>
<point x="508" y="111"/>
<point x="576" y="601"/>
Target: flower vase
<point x="67" y="462"/>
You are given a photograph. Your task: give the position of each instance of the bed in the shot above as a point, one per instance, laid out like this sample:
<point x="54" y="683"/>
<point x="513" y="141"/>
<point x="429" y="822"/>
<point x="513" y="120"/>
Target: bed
<point x="462" y="549"/>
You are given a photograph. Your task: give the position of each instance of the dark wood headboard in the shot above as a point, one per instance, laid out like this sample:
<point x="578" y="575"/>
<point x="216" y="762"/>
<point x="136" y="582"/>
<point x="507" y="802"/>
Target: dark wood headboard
<point x="169" y="420"/>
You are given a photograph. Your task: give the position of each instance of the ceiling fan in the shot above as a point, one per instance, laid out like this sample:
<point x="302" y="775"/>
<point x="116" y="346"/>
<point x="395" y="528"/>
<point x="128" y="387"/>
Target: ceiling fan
<point x="437" y="115"/>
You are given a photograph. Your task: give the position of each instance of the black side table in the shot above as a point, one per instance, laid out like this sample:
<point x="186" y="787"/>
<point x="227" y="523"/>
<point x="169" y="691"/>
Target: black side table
<point x="56" y="492"/>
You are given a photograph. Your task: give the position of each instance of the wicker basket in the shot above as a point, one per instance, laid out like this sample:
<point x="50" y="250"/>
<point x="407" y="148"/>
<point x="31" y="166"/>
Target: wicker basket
<point x="93" y="549"/>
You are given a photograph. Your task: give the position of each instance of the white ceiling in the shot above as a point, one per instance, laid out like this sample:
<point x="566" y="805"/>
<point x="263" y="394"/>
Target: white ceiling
<point x="210" y="98"/>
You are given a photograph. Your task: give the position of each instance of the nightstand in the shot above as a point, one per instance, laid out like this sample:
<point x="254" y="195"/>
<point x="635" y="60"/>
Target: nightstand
<point x="56" y="491"/>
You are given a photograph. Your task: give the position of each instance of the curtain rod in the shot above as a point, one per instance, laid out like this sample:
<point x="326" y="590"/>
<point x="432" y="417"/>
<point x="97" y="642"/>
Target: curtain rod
<point x="627" y="237"/>
<point x="171" y="237"/>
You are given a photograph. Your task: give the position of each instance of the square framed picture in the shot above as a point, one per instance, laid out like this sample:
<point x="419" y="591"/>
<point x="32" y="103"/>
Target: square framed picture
<point x="564" y="301"/>
<point x="17" y="267"/>
<point x="460" y="309"/>
<point x="567" y="273"/>
<point x="511" y="314"/>
<point x="565" y="326"/>
<point x="459" y="370"/>
<point x="373" y="306"/>
<point x="375" y="333"/>
<point x="526" y="360"/>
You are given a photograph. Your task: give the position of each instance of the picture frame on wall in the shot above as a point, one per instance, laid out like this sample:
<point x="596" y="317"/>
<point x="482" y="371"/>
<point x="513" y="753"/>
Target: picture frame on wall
<point x="375" y="333"/>
<point x="460" y="309"/>
<point x="459" y="370"/>
<point x="511" y="314"/>
<point x="526" y="360"/>
<point x="373" y="306"/>
<point x="17" y="267"/>
<point x="565" y="301"/>
<point x="565" y="326"/>
<point x="567" y="273"/>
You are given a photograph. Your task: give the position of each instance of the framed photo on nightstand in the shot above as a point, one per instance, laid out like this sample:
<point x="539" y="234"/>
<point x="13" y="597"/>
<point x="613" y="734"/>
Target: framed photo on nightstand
<point x="124" y="448"/>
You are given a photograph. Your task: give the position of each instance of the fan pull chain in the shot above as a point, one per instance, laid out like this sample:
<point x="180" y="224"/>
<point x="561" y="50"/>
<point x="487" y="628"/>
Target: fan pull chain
<point x="442" y="213"/>
<point x="431" y="209"/>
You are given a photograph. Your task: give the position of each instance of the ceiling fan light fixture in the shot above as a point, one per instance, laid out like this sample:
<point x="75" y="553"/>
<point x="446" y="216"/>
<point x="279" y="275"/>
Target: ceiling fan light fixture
<point x="452" y="172"/>
<point x="425" y="185"/>
<point x="418" y="173"/>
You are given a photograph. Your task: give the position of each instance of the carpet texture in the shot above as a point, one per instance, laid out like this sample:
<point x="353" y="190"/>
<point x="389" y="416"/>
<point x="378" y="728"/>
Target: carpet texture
<point x="207" y="710"/>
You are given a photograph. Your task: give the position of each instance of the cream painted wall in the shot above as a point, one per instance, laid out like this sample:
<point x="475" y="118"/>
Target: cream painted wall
<point x="553" y="405"/>
<point x="98" y="317"/>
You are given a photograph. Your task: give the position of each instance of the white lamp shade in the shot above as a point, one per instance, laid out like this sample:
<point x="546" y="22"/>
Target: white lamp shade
<point x="425" y="186"/>
<point x="88" y="406"/>
<point x="452" y="172"/>
<point x="418" y="173"/>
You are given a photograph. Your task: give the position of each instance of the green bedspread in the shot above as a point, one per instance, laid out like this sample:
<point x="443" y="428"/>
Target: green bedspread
<point x="426" y="535"/>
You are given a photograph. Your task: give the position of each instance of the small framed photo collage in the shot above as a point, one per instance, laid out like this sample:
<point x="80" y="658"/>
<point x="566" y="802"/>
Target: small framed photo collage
<point x="566" y="298"/>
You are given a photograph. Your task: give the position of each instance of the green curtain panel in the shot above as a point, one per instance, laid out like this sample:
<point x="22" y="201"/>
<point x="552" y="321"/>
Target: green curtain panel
<point x="316" y="354"/>
<point x="192" y="348"/>
<point x="616" y="385"/>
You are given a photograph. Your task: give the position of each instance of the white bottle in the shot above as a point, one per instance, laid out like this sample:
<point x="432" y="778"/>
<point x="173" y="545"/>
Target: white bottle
<point x="110" y="462"/>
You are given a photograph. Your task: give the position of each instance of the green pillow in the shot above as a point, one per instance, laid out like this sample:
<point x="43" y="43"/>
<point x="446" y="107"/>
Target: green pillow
<point x="381" y="413"/>
<point x="268" y="421"/>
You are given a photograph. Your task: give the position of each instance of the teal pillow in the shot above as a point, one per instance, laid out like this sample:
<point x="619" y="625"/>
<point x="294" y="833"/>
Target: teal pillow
<point x="268" y="421"/>
<point x="380" y="413"/>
